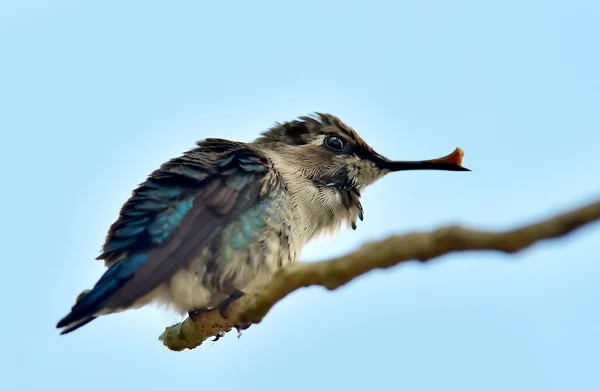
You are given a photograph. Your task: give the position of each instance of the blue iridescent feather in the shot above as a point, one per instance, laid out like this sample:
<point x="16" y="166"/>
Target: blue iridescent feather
<point x="193" y="196"/>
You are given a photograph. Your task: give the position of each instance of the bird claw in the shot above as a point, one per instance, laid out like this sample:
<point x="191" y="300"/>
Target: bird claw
<point x="196" y="314"/>
<point x="222" y="308"/>
<point x="242" y="327"/>
<point x="218" y="336"/>
<point x="224" y="305"/>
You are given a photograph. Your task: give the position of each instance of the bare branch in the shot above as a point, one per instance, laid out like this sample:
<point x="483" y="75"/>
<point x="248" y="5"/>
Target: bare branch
<point x="331" y="274"/>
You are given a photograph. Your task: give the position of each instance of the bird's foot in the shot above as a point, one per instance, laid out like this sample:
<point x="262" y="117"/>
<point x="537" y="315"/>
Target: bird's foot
<point x="218" y="336"/>
<point x="242" y="327"/>
<point x="224" y="305"/>
<point x="196" y="314"/>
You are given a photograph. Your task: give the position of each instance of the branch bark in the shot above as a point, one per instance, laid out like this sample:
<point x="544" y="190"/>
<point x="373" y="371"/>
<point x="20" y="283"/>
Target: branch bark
<point x="331" y="274"/>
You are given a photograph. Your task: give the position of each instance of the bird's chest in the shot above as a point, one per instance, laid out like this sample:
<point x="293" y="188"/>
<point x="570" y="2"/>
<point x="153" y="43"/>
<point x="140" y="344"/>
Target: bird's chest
<point x="264" y="238"/>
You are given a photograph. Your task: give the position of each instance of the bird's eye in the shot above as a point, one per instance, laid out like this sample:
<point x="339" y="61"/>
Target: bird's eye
<point x="334" y="143"/>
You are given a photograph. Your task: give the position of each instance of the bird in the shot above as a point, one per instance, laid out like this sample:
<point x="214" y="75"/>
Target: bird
<point x="219" y="220"/>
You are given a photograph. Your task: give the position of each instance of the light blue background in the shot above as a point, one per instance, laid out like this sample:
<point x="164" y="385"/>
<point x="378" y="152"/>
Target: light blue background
<point x="95" y="95"/>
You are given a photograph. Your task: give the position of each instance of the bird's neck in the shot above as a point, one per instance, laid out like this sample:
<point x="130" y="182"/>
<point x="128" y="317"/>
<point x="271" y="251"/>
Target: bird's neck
<point x="316" y="209"/>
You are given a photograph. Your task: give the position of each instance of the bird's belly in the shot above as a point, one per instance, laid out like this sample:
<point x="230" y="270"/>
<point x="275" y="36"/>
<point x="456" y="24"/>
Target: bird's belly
<point x="245" y="255"/>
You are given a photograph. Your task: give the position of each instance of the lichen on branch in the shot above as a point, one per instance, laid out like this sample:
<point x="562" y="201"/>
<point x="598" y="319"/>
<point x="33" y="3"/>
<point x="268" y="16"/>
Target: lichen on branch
<point x="331" y="274"/>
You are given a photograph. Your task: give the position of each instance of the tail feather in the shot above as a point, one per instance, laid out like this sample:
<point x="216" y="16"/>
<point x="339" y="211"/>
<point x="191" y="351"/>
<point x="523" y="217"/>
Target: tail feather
<point x="87" y="307"/>
<point x="76" y="325"/>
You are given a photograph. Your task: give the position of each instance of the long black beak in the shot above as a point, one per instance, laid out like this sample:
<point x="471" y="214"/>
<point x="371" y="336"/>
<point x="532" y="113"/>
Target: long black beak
<point x="450" y="162"/>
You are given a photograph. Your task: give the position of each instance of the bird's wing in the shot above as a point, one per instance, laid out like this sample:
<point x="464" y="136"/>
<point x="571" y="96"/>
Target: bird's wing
<point x="170" y="217"/>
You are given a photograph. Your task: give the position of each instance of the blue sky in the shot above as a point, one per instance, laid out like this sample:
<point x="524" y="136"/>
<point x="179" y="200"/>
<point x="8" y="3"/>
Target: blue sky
<point x="95" y="95"/>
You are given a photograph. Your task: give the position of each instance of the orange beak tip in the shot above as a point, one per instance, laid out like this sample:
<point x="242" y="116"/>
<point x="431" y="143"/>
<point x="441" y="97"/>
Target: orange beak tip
<point x="455" y="157"/>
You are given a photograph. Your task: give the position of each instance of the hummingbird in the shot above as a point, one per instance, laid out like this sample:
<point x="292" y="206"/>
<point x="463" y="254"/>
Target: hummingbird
<point x="223" y="217"/>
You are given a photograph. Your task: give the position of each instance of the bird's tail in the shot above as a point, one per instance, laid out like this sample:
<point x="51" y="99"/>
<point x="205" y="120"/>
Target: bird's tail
<point x="90" y="304"/>
<point x="68" y="327"/>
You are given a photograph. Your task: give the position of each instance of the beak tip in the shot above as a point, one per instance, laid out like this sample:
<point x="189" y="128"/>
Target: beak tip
<point x="451" y="162"/>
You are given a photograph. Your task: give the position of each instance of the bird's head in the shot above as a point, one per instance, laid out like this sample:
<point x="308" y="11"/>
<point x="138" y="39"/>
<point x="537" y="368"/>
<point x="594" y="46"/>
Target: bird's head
<point x="329" y="153"/>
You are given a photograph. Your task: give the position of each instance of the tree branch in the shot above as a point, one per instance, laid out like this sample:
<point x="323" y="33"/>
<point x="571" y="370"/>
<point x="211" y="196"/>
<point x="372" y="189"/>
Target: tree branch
<point x="331" y="274"/>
